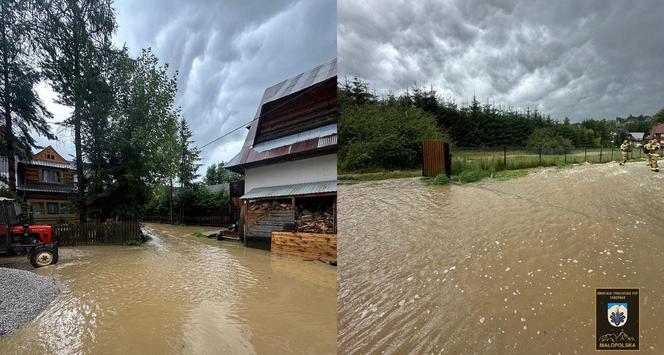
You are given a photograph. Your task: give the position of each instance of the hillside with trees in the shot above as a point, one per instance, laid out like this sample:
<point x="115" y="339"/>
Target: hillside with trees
<point x="383" y="132"/>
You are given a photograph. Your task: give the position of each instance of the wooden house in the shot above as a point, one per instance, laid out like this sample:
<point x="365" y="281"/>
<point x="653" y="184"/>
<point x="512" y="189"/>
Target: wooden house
<point x="657" y="132"/>
<point x="46" y="183"/>
<point x="289" y="158"/>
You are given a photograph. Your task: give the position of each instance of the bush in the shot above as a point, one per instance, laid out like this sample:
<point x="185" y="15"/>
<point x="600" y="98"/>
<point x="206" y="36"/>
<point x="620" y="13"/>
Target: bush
<point x="441" y="179"/>
<point x="475" y="174"/>
<point x="383" y="134"/>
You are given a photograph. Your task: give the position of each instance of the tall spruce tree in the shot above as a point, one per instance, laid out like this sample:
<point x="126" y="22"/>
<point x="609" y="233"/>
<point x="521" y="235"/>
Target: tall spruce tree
<point x="71" y="35"/>
<point x="189" y="162"/>
<point x="22" y="109"/>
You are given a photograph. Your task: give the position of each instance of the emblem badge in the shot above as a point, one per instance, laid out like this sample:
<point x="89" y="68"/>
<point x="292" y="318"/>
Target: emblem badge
<point x="617" y="314"/>
<point x="617" y="319"/>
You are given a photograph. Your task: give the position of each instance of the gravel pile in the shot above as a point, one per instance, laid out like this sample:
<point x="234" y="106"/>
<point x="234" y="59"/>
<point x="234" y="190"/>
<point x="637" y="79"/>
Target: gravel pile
<point x="23" y="295"/>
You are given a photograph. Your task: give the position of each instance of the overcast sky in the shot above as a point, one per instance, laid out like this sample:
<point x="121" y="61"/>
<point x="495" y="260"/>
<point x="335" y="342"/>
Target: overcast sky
<point x="227" y="53"/>
<point x="575" y="59"/>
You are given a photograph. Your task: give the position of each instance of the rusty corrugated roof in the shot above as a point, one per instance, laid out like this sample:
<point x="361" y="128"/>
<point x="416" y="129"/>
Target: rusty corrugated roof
<point x="309" y="188"/>
<point x="300" y="82"/>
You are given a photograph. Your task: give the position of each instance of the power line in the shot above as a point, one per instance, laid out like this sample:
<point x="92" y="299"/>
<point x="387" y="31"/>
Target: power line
<point x="263" y="114"/>
<point x="225" y="134"/>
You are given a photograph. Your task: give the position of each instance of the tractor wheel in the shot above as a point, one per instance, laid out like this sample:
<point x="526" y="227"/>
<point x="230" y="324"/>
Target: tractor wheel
<point x="43" y="255"/>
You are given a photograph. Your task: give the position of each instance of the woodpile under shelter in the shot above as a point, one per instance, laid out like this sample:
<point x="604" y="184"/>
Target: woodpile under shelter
<point x="289" y="160"/>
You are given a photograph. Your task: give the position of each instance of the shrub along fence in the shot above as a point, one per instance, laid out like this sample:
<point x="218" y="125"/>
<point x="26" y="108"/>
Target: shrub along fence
<point x="507" y="158"/>
<point x="116" y="232"/>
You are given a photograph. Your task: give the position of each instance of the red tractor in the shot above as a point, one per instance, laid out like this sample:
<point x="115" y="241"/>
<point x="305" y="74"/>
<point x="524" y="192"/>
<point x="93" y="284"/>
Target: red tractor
<point x="36" y="241"/>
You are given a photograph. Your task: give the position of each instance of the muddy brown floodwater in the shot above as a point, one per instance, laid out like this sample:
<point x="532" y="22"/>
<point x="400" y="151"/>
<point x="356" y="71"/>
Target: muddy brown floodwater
<point x="181" y="294"/>
<point x="498" y="267"/>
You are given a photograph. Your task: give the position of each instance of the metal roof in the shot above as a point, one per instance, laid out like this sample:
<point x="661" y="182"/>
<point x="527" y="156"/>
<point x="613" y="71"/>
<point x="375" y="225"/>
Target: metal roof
<point x="317" y="133"/>
<point x="300" y="82"/>
<point x="658" y="129"/>
<point x="250" y="153"/>
<point x="637" y="135"/>
<point x="46" y="187"/>
<point x="217" y="188"/>
<point x="49" y="164"/>
<point x="308" y="188"/>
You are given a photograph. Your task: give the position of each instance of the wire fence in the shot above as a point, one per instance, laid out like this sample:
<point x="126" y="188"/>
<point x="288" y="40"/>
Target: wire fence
<point x="508" y="158"/>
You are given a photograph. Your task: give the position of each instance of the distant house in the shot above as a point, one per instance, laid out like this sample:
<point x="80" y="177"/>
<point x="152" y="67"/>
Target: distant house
<point x="637" y="136"/>
<point x="289" y="157"/>
<point x="46" y="183"/>
<point x="217" y="188"/>
<point x="657" y="132"/>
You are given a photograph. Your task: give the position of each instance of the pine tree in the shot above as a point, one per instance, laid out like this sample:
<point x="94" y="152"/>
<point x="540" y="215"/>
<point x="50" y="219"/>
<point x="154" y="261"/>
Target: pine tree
<point x="71" y="34"/>
<point x="189" y="162"/>
<point x="21" y="107"/>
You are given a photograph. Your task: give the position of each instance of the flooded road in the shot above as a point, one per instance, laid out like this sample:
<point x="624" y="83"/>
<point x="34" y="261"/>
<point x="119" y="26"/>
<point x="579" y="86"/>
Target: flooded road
<point x="500" y="267"/>
<point x="181" y="294"/>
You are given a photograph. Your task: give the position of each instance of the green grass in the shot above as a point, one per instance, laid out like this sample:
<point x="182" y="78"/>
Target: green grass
<point x="474" y="174"/>
<point x="380" y="175"/>
<point x="510" y="174"/>
<point x="198" y="234"/>
<point x="133" y="242"/>
<point x="441" y="179"/>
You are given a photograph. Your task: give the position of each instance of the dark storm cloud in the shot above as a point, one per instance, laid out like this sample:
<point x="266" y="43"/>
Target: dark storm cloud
<point x="568" y="58"/>
<point x="227" y="53"/>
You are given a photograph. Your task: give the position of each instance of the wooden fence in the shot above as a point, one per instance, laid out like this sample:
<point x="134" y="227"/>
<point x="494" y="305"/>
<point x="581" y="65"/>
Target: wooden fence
<point x="95" y="233"/>
<point x="435" y="158"/>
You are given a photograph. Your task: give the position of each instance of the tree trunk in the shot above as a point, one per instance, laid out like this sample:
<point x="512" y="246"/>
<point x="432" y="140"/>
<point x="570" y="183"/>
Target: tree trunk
<point x="77" y="124"/>
<point x="170" y="201"/>
<point x="9" y="133"/>
<point x="79" y="164"/>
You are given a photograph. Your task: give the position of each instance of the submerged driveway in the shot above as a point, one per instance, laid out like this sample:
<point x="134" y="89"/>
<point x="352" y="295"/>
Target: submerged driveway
<point x="502" y="267"/>
<point x="181" y="294"/>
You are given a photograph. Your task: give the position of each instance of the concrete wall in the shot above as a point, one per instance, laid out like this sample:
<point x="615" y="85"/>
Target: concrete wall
<point x="321" y="168"/>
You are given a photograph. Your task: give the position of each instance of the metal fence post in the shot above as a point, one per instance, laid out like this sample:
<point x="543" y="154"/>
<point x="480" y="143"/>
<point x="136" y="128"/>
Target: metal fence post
<point x="600" y="153"/>
<point x="585" y="154"/>
<point x="565" y="152"/>
<point x="504" y="157"/>
<point x="611" y="153"/>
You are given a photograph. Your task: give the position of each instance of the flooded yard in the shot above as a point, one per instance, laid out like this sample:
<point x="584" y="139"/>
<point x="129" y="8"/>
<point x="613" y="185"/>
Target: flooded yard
<point x="502" y="267"/>
<point x="181" y="294"/>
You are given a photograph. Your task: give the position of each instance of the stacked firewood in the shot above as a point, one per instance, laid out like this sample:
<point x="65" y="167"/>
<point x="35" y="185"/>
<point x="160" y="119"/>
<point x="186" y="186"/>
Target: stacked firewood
<point x="270" y="205"/>
<point x="314" y="221"/>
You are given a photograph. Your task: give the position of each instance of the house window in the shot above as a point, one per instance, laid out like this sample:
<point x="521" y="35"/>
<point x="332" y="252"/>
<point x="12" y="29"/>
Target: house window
<point x="52" y="176"/>
<point x="37" y="207"/>
<point x="53" y="207"/>
<point x="65" y="208"/>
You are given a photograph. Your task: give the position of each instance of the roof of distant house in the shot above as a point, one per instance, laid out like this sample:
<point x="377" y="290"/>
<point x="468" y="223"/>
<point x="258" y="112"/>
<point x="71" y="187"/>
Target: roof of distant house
<point x="658" y="129"/>
<point x="218" y="187"/>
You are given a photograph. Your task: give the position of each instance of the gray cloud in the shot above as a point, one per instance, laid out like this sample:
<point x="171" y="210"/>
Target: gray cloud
<point x="574" y="59"/>
<point x="226" y="53"/>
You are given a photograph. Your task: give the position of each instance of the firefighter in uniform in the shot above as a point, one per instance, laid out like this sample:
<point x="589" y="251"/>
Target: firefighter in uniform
<point x="625" y="148"/>
<point x="652" y="150"/>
